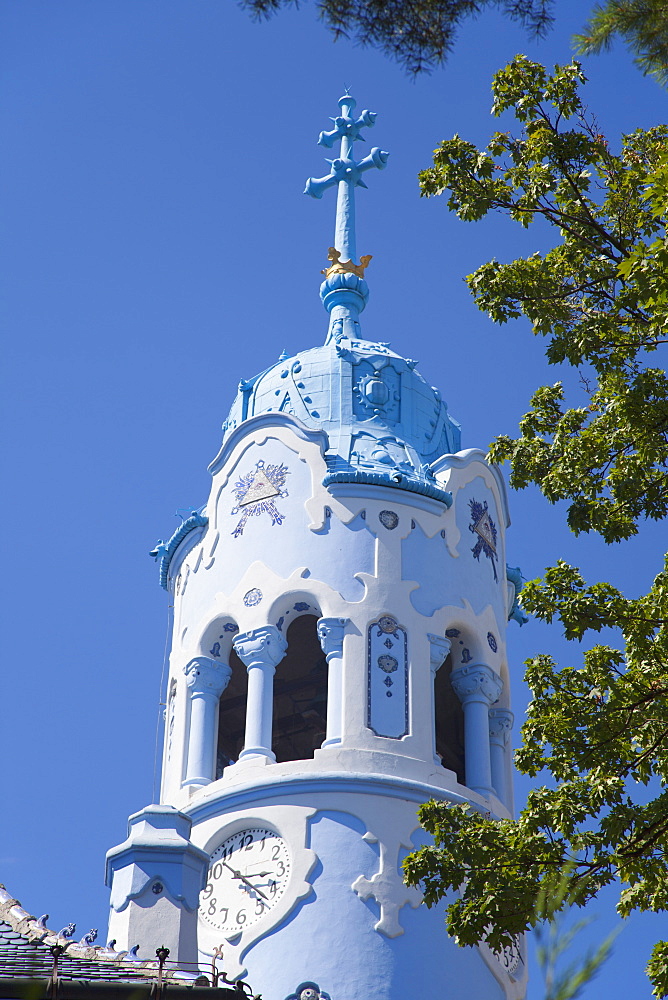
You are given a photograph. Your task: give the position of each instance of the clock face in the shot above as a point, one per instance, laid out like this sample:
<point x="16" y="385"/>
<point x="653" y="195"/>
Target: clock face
<point x="511" y="957"/>
<point x="248" y="874"/>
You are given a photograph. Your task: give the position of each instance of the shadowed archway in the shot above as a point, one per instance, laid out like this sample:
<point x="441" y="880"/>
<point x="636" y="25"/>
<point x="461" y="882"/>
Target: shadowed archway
<point x="449" y="722"/>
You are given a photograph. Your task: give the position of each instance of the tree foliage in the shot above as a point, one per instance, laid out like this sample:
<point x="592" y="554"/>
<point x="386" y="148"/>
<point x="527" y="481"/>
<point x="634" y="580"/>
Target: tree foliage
<point x="642" y="24"/>
<point x="596" y="732"/>
<point x="418" y="34"/>
<point x="555" y="934"/>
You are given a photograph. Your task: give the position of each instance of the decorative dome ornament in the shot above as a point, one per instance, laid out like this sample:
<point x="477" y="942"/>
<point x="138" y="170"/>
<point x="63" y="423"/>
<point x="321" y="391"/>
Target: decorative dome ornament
<point x="345" y="292"/>
<point x="308" y="991"/>
<point x="385" y="424"/>
<point x="338" y="266"/>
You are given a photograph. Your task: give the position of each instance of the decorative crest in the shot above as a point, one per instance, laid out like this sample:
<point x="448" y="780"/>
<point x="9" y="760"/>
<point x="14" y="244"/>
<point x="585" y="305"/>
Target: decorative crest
<point x="338" y="266"/>
<point x="346" y="172"/>
<point x="483" y="526"/>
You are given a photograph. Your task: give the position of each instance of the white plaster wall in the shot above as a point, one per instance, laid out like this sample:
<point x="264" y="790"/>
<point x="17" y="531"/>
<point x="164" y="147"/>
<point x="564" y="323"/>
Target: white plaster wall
<point x="384" y="947"/>
<point x="334" y="552"/>
<point x="336" y="555"/>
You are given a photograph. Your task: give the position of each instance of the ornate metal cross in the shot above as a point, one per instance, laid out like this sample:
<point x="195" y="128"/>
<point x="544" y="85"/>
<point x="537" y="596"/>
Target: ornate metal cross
<point x="346" y="172"/>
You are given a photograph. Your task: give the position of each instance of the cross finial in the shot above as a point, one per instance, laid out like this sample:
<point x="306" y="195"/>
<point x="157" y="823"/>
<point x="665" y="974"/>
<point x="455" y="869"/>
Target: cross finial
<point x="346" y="172"/>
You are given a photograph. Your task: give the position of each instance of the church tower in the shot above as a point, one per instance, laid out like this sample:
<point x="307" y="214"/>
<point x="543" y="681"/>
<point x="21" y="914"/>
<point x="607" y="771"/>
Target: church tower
<point x="338" y="657"/>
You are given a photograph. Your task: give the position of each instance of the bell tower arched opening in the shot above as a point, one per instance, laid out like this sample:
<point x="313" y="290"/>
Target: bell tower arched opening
<point x="300" y="693"/>
<point x="232" y="716"/>
<point x="449" y="722"/>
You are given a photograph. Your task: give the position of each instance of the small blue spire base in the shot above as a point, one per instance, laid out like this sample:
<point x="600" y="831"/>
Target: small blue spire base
<point x="344" y="289"/>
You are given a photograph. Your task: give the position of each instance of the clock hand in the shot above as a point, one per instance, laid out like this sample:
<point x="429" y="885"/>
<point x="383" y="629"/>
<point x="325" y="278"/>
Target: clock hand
<point x="253" y="887"/>
<point x="240" y="876"/>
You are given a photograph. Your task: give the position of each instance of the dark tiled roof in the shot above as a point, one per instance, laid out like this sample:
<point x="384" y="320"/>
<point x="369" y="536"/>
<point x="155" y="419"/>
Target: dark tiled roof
<point x="28" y="955"/>
<point x="25" y="945"/>
<point x="25" y="951"/>
<point x="85" y="971"/>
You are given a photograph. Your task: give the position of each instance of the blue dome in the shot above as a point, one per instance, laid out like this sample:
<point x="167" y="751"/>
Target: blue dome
<point x="381" y="417"/>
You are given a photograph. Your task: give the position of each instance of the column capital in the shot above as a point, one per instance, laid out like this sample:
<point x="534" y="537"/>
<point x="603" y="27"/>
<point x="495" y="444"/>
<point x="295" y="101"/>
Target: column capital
<point x="261" y="647"/>
<point x="330" y="634"/>
<point x="206" y="676"/>
<point x="500" y="723"/>
<point x="439" y="647"/>
<point x="476" y="682"/>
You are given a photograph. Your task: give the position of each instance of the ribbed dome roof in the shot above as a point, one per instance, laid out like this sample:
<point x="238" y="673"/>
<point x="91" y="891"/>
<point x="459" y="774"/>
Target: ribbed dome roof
<point x="384" y="423"/>
<point x="379" y="413"/>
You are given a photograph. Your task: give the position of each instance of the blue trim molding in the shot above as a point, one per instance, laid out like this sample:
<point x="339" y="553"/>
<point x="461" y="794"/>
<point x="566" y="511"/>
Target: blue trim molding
<point x="254" y="792"/>
<point x="514" y="576"/>
<point x="164" y="551"/>
<point x="396" y="480"/>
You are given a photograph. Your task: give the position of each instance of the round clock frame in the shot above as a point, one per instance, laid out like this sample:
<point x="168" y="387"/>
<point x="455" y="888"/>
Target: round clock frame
<point x="508" y="966"/>
<point x="248" y="874"/>
<point x="291" y="827"/>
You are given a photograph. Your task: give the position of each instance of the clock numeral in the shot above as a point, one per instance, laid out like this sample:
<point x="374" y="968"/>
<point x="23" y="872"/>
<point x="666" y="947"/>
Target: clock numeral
<point x="208" y="890"/>
<point x="224" y="911"/>
<point x="217" y="870"/>
<point x="275" y="852"/>
<point x="246" y="841"/>
<point x="272" y="887"/>
<point x="259" y="906"/>
<point x="241" y="917"/>
<point x="282" y="871"/>
<point x="212" y="907"/>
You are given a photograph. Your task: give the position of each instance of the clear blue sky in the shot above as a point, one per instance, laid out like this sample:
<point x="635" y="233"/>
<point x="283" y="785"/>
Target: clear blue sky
<point x="157" y="248"/>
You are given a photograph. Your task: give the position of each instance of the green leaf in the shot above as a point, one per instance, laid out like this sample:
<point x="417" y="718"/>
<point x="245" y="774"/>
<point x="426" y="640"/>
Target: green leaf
<point x="596" y="729"/>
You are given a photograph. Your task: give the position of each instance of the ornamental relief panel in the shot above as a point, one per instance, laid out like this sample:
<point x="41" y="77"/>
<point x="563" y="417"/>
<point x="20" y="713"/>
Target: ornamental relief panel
<point x="387" y="683"/>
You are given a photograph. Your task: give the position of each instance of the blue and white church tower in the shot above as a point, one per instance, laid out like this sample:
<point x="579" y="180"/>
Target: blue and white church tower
<point x="338" y="657"/>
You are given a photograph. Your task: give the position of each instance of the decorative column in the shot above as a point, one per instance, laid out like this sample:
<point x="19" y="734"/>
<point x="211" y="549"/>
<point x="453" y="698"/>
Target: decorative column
<point x="500" y="724"/>
<point x="477" y="687"/>
<point x="330" y="633"/>
<point x="206" y="680"/>
<point x="439" y="647"/>
<point x="261" y="649"/>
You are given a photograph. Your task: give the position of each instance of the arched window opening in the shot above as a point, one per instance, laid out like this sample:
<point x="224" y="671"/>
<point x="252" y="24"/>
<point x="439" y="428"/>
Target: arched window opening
<point x="232" y="716"/>
<point x="300" y="693"/>
<point x="449" y="722"/>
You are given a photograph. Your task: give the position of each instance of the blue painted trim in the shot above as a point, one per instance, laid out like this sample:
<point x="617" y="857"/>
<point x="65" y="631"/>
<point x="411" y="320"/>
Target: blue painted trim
<point x="401" y="482"/>
<point x="462" y="459"/>
<point x="165" y="550"/>
<point x="287" y="785"/>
